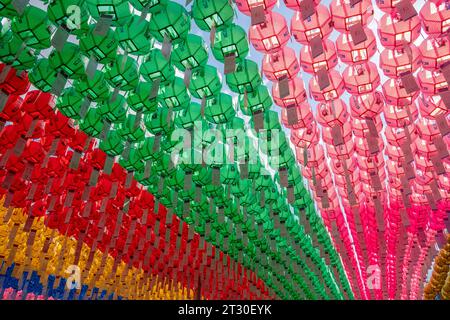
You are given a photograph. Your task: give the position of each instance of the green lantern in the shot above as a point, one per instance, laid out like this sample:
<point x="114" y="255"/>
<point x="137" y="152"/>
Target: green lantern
<point x="176" y="180"/>
<point x="133" y="162"/>
<point x="43" y="76"/>
<point x="113" y="111"/>
<point x="157" y="67"/>
<point x="231" y="39"/>
<point x="33" y="27"/>
<point x="219" y="109"/>
<point x="7" y="9"/>
<point x="163" y="166"/>
<point x="157" y="122"/>
<point x="241" y="188"/>
<point x="10" y="45"/>
<point x="96" y="89"/>
<point x="207" y="13"/>
<point x="172" y="21"/>
<point x="102" y="47"/>
<point x="134" y="37"/>
<point x="148" y="5"/>
<point x="257" y="100"/>
<point x="147" y="150"/>
<point x="139" y="99"/>
<point x="129" y="131"/>
<point x="69" y="103"/>
<point x="202" y="177"/>
<point x="229" y="174"/>
<point x="191" y="53"/>
<point x="123" y="73"/>
<point x="72" y="14"/>
<point x="175" y="95"/>
<point x="205" y="82"/>
<point x="118" y="10"/>
<point x="92" y="123"/>
<point x="186" y="118"/>
<point x="68" y="61"/>
<point x="246" y="78"/>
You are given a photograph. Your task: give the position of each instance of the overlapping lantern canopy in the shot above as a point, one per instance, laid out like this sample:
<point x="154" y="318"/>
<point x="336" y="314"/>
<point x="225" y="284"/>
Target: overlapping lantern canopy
<point x="92" y="129"/>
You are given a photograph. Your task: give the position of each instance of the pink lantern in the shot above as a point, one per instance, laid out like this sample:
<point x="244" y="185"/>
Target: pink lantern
<point x="270" y="36"/>
<point x="435" y="18"/>
<point x="314" y="155"/>
<point x="423" y="163"/>
<point x="327" y="59"/>
<point x="395" y="93"/>
<point x="388" y="6"/>
<point x="295" y="4"/>
<point x="428" y="129"/>
<point x="434" y="53"/>
<point x="331" y="92"/>
<point x="431" y="106"/>
<point x="280" y="64"/>
<point x="343" y="151"/>
<point x="332" y="113"/>
<point x="366" y="178"/>
<point x="337" y="165"/>
<point x="395" y="32"/>
<point x="321" y="171"/>
<point x="350" y="53"/>
<point x="363" y="148"/>
<point x="398" y="61"/>
<point x="361" y="78"/>
<point x="328" y="133"/>
<point x="297" y="93"/>
<point x="246" y="6"/>
<point x="431" y="82"/>
<point x="397" y="116"/>
<point x="361" y="127"/>
<point x="319" y="24"/>
<point x="373" y="162"/>
<point x="341" y="181"/>
<point x="367" y="105"/>
<point x="395" y="153"/>
<point x="398" y="136"/>
<point x="301" y="116"/>
<point x="305" y="137"/>
<point x="346" y="15"/>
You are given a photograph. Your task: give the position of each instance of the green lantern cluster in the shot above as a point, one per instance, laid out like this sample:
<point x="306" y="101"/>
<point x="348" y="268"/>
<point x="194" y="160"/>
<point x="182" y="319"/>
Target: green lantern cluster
<point x="231" y="205"/>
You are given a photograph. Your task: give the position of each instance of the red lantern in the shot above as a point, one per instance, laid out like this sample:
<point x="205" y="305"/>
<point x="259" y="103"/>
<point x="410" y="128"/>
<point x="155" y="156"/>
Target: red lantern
<point x="327" y="59"/>
<point x="301" y="116"/>
<point x="431" y="106"/>
<point x="332" y="113"/>
<point x="388" y="6"/>
<point x="305" y="137"/>
<point x="367" y="105"/>
<point x="434" y="52"/>
<point x="435" y="18"/>
<point x="397" y="116"/>
<point x="346" y="15"/>
<point x="361" y="78"/>
<point x="270" y="36"/>
<point x="395" y="93"/>
<point x="398" y="61"/>
<point x="280" y="64"/>
<point x="395" y="32"/>
<point x="319" y="24"/>
<point x="350" y="53"/>
<point x="15" y="82"/>
<point x="331" y="92"/>
<point x="297" y="93"/>
<point x="314" y="155"/>
<point x="246" y="6"/>
<point x="431" y="82"/>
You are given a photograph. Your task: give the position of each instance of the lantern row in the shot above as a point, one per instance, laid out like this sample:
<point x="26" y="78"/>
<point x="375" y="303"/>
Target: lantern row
<point x="359" y="80"/>
<point x="130" y="121"/>
<point x="111" y="214"/>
